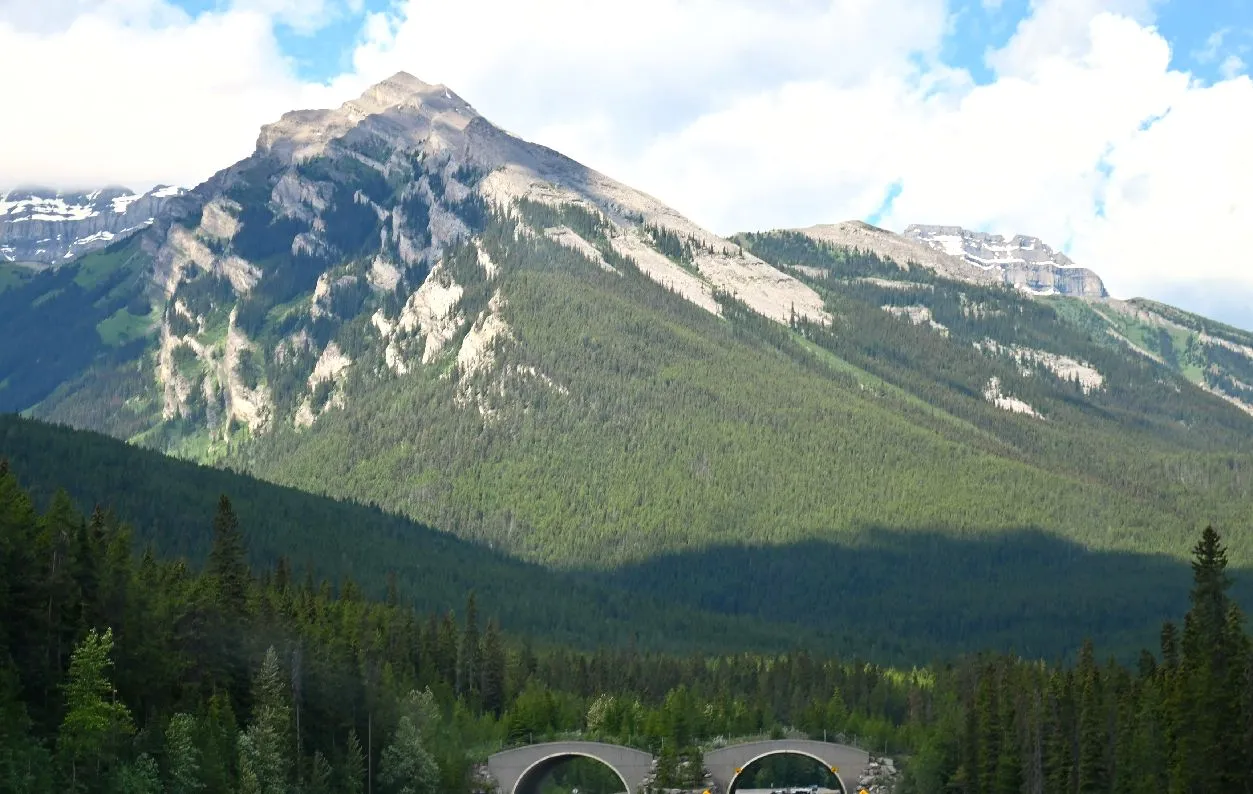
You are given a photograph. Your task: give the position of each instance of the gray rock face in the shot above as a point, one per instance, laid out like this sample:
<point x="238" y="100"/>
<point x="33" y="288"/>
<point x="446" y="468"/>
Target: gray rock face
<point x="41" y="227"/>
<point x="1021" y="261"/>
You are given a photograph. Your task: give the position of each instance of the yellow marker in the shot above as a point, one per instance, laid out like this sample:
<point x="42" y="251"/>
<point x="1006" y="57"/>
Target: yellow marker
<point x="738" y="770"/>
<point x="836" y="770"/>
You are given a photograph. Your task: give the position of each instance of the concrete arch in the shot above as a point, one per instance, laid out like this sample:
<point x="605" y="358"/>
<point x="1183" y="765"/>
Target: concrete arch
<point x="515" y="770"/>
<point x="846" y="763"/>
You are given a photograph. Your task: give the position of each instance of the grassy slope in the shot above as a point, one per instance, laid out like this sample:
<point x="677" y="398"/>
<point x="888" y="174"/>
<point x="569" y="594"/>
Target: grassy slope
<point x="13" y="275"/>
<point x="64" y="327"/>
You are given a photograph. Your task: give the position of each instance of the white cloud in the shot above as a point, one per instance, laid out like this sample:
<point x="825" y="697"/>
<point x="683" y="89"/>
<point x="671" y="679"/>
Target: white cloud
<point x="741" y="114"/>
<point x="1056" y="30"/>
<point x="137" y="92"/>
<point x="302" y="16"/>
<point x="1213" y="44"/>
<point x="1232" y="66"/>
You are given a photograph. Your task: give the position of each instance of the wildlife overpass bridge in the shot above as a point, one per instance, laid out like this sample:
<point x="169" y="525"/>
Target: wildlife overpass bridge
<point x="520" y="770"/>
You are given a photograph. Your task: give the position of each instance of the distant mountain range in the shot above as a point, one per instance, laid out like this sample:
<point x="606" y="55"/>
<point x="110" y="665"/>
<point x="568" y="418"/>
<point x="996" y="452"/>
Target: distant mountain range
<point x="1022" y="262"/>
<point x="398" y="302"/>
<point x="42" y="226"/>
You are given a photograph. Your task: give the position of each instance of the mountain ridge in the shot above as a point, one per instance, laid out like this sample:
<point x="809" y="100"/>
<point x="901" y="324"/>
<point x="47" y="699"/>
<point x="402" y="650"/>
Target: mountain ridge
<point x="1022" y="262"/>
<point x="42" y="227"/>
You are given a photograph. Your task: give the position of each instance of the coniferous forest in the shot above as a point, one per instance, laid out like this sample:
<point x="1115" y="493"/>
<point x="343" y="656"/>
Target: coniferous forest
<point x="124" y="672"/>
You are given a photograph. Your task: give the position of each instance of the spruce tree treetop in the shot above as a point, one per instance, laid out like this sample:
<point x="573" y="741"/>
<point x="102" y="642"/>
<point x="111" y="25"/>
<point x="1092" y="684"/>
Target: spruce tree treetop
<point x="228" y="564"/>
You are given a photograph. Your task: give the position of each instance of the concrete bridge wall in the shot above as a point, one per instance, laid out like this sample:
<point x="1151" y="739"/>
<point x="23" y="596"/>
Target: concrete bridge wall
<point x="520" y="770"/>
<point x="846" y="763"/>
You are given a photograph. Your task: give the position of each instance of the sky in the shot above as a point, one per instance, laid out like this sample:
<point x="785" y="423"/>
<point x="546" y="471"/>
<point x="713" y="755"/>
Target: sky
<point x="1120" y="131"/>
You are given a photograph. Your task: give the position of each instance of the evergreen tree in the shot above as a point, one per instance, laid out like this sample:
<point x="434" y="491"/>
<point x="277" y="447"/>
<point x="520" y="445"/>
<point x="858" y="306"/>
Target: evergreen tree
<point x="265" y="749"/>
<point x="183" y="755"/>
<point x="218" y="738"/>
<point x="1202" y="759"/>
<point x="321" y="776"/>
<point x="24" y="767"/>
<point x="446" y="650"/>
<point x="1093" y="738"/>
<point x="228" y="563"/>
<point x="492" y="679"/>
<point x="407" y="767"/>
<point x="140" y="777"/>
<point x="468" y="669"/>
<point x="95" y="722"/>
<point x="353" y="770"/>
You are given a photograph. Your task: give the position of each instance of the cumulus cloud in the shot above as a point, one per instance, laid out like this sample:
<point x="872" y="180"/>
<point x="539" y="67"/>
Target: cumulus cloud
<point x="137" y="91"/>
<point x="302" y="16"/>
<point x="744" y="115"/>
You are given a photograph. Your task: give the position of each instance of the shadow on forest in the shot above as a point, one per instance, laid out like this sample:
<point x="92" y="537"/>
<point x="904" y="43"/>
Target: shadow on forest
<point x="887" y="595"/>
<point x="909" y="595"/>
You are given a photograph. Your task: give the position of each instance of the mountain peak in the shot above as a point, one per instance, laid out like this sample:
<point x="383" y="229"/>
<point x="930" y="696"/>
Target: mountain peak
<point x="1023" y="261"/>
<point x="412" y="106"/>
<point x="403" y="89"/>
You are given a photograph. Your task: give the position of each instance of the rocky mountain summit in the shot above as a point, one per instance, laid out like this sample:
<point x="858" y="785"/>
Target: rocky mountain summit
<point x="346" y="218"/>
<point x="1022" y="262"/>
<point x="41" y="226"/>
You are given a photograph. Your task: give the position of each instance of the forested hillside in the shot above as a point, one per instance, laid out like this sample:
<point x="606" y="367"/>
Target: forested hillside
<point x="127" y="675"/>
<point x="165" y="502"/>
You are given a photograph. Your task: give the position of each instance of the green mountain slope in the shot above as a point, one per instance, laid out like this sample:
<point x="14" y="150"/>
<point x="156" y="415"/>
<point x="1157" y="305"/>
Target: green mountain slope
<point x="399" y="303"/>
<point x="164" y="500"/>
<point x="1211" y="355"/>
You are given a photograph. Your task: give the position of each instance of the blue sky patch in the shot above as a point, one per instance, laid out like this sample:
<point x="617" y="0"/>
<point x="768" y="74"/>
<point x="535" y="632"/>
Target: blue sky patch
<point x="1212" y="39"/>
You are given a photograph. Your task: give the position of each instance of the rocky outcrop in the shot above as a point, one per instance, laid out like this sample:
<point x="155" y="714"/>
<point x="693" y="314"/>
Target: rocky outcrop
<point x="1021" y="262"/>
<point x="41" y="227"/>
<point x="406" y="114"/>
<point x="880" y="777"/>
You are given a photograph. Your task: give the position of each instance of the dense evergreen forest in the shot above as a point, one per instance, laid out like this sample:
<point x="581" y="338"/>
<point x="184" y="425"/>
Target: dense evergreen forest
<point x="891" y="596"/>
<point x="165" y="500"/>
<point x="126" y="673"/>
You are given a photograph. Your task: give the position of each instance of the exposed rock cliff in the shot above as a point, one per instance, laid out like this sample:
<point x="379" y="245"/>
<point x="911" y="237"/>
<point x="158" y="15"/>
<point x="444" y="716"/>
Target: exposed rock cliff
<point x="1022" y="262"/>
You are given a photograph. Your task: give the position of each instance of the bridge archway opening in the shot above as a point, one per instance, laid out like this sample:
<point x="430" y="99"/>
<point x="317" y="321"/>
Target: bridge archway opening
<point x="785" y="772"/>
<point x="571" y="773"/>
